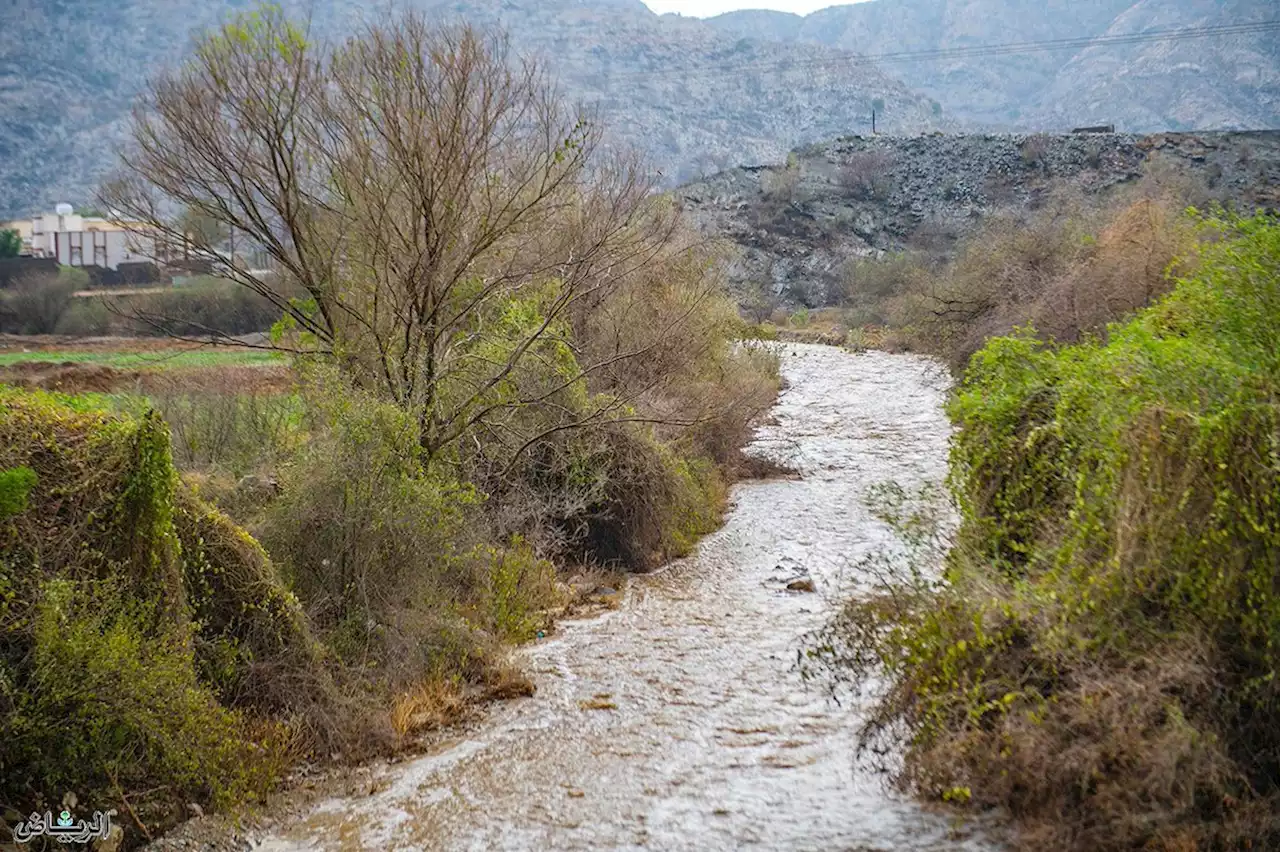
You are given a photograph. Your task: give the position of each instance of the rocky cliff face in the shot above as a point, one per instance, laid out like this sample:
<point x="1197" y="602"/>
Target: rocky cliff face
<point x="696" y="100"/>
<point x="1219" y="82"/>
<point x="696" y="96"/>
<point x="796" y="225"/>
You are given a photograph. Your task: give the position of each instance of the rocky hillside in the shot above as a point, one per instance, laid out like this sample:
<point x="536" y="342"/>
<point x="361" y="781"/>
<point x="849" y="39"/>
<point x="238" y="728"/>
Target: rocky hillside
<point x="695" y="99"/>
<point x="1211" y="83"/>
<point x="797" y="225"/>
<point x="696" y="96"/>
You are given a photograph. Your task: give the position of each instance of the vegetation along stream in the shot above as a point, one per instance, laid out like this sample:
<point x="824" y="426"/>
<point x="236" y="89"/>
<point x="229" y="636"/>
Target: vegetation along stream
<point x="680" y="721"/>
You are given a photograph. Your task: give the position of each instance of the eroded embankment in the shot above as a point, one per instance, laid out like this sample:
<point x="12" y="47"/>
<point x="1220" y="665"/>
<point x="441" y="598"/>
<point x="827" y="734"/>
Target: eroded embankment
<point x="680" y="721"/>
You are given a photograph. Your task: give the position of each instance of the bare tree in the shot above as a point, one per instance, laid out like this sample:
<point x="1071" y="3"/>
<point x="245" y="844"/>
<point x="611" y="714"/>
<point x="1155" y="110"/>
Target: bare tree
<point x="437" y="221"/>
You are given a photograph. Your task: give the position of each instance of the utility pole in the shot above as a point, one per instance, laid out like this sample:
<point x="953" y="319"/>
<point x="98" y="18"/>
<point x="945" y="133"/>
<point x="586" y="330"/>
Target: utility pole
<point x="873" y="122"/>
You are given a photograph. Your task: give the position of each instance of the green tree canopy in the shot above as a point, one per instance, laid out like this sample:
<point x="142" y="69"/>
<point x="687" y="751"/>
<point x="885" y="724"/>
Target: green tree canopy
<point x="10" y="243"/>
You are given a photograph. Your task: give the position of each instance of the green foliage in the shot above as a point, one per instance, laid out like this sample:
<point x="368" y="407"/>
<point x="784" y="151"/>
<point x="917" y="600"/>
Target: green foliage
<point x="254" y="645"/>
<point x="10" y="243"/>
<point x="265" y="33"/>
<point x="871" y="287"/>
<point x="106" y="678"/>
<point x="519" y="587"/>
<point x="229" y="432"/>
<point x="214" y="357"/>
<point x="198" y="308"/>
<point x="1110" y="599"/>
<point x="760" y="331"/>
<point x="15" y="485"/>
<point x="362" y="529"/>
<point x="106" y="705"/>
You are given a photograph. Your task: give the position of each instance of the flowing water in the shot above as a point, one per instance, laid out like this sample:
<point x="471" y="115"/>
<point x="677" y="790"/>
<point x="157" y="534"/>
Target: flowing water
<point x="679" y="721"/>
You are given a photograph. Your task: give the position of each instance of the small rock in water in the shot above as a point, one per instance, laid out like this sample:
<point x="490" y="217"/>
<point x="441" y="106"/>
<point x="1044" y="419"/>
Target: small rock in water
<point x="802" y="585"/>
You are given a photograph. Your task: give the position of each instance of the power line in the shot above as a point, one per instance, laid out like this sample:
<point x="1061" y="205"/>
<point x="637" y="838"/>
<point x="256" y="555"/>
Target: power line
<point x="977" y="51"/>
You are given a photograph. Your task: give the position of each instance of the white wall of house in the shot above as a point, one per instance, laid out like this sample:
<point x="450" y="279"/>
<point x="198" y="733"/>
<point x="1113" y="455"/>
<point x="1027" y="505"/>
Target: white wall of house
<point x="75" y="240"/>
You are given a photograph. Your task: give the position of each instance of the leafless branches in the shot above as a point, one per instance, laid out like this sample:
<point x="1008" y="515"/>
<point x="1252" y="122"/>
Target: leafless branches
<point x="437" y="221"/>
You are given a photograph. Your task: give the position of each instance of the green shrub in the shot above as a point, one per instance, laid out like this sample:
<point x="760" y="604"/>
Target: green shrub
<point x="361" y="527"/>
<point x="15" y="485"/>
<point x="1102" y="657"/>
<point x="519" y="588"/>
<point x="653" y="502"/>
<point x="231" y="431"/>
<point x="872" y="286"/>
<point x="106" y="705"/>
<point x="90" y="317"/>
<point x="202" y="307"/>
<point x="117" y="590"/>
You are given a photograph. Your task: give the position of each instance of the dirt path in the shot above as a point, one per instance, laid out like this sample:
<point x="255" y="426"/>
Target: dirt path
<point x="679" y="722"/>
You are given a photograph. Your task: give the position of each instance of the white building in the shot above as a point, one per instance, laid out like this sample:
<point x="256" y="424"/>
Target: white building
<point x="75" y="240"/>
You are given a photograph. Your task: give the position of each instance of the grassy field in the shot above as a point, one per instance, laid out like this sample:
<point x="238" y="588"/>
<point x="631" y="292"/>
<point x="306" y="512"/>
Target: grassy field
<point x="172" y="359"/>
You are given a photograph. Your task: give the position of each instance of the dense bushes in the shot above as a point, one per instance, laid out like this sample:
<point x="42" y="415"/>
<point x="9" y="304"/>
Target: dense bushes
<point x="35" y="304"/>
<point x="203" y="307"/>
<point x="394" y="579"/>
<point x="507" y="352"/>
<point x="105" y="625"/>
<point x="1102" y="655"/>
<point x="1068" y="270"/>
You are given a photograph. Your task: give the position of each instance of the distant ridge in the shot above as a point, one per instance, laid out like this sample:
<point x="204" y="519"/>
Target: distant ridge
<point x="696" y="96"/>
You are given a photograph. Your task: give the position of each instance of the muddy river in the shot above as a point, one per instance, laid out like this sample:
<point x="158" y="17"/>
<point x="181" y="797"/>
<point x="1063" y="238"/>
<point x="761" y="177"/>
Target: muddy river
<point x="679" y="721"/>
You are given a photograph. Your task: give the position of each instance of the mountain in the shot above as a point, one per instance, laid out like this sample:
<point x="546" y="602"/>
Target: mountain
<point x="1211" y="83"/>
<point x="696" y="96"/>
<point x="695" y="99"/>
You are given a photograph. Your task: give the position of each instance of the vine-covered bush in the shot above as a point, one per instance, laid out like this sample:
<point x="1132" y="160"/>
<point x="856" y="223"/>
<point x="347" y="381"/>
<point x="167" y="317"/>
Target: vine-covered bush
<point x="1102" y="656"/>
<point x="114" y="591"/>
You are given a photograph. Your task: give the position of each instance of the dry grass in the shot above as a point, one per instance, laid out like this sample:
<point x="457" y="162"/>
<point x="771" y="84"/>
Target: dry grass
<point x="432" y="704"/>
<point x="1067" y="273"/>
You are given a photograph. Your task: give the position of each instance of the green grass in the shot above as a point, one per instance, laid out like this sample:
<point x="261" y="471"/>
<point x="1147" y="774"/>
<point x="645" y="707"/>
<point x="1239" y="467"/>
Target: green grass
<point x="150" y="360"/>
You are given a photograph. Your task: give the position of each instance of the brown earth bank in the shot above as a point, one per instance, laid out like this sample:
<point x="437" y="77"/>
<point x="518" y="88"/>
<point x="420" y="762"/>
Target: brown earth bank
<point x="78" y="377"/>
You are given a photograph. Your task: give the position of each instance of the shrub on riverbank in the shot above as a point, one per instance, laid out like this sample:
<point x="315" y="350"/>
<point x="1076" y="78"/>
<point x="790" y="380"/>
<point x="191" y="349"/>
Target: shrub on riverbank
<point x="1068" y="271"/>
<point x="1102" y="656"/>
<point x="394" y="580"/>
<point x="113" y="605"/>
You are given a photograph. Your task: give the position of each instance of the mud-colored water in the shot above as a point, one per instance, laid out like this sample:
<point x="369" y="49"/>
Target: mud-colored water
<point x="704" y="735"/>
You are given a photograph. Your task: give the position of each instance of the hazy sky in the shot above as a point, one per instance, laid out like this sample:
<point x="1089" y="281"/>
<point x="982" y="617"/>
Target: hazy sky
<point x="707" y="8"/>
